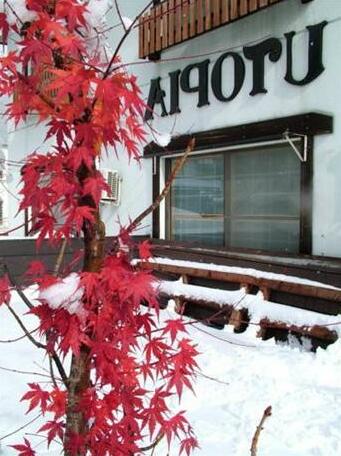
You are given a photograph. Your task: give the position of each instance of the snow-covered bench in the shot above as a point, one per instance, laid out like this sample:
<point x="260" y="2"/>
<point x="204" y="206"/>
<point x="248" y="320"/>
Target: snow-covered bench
<point x="241" y="308"/>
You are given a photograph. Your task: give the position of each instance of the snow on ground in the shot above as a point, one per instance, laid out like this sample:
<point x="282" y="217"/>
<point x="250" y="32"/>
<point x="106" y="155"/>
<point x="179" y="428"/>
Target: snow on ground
<point x="304" y="390"/>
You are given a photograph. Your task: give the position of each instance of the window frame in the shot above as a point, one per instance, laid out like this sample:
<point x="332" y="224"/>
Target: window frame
<point x="306" y="197"/>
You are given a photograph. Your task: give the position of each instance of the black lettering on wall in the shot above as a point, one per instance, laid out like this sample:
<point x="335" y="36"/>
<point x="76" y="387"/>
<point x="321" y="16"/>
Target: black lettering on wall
<point x="271" y="47"/>
<point x="202" y="87"/>
<point x="174" y="92"/>
<point x="315" y="55"/>
<point x="217" y="77"/>
<point x="156" y="96"/>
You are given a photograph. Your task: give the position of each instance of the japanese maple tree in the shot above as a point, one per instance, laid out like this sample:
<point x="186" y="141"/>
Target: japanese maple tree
<point x="114" y="398"/>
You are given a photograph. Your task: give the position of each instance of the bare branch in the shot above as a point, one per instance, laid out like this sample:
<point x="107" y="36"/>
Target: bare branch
<point x="60" y="258"/>
<point x="20" y="428"/>
<point x="17" y="288"/>
<point x="60" y="368"/>
<point x="118" y="11"/>
<point x="53" y="355"/>
<point x="124" y="37"/>
<point x="153" y="445"/>
<point x="4" y="233"/>
<point x="53" y="378"/>
<point x="26" y="331"/>
<point x="266" y="414"/>
<point x="17" y="339"/>
<point x="16" y="371"/>
<point x="177" y="168"/>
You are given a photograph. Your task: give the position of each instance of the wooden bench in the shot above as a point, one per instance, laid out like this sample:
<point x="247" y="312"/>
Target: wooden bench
<point x="226" y="313"/>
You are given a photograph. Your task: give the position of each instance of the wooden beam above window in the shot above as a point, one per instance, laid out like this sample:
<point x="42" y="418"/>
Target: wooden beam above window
<point x="309" y="124"/>
<point x="171" y="22"/>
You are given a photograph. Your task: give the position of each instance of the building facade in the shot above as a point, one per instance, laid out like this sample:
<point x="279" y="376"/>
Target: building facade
<point x="256" y="83"/>
<point x="260" y="96"/>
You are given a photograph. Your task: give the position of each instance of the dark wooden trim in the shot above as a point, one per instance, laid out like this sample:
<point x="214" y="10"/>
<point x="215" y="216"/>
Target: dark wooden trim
<point x="156" y="193"/>
<point x="313" y="267"/>
<point x="308" y="124"/>
<point x="17" y="254"/>
<point x="168" y="202"/>
<point x="306" y="206"/>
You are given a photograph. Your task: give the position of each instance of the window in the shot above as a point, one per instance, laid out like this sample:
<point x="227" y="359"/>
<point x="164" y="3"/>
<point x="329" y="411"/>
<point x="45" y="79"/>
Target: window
<point x="244" y="198"/>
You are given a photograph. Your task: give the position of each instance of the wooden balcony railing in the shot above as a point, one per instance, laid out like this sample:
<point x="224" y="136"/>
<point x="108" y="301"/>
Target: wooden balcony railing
<point x="173" y="21"/>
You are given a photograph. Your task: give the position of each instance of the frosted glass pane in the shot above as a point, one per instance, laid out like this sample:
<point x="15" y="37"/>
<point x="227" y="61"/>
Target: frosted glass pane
<point x="275" y="235"/>
<point x="265" y="182"/>
<point x="197" y="201"/>
<point x="210" y="232"/>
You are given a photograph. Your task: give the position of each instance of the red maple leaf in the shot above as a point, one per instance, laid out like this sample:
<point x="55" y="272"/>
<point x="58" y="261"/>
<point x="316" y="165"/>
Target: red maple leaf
<point x="4" y="27"/>
<point x="173" y="327"/>
<point x="188" y="444"/>
<point x="37" y="397"/>
<point x="72" y="12"/>
<point x="145" y="250"/>
<point x="5" y="294"/>
<point x="54" y="429"/>
<point x="24" y="450"/>
<point x="36" y="268"/>
<point x="80" y="215"/>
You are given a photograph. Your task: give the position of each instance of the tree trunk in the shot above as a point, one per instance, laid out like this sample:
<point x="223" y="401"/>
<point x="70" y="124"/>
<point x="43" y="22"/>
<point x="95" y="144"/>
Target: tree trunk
<point x="79" y="379"/>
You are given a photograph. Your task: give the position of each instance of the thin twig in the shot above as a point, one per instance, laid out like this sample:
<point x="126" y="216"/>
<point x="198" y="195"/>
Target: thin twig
<point x="17" y="288"/>
<point x="124" y="37"/>
<point x="60" y="258"/>
<point x="26" y="331"/>
<point x="213" y="379"/>
<point x="266" y="414"/>
<point x="118" y="11"/>
<point x="153" y="445"/>
<point x="177" y="168"/>
<point x="17" y="339"/>
<point x="5" y="233"/>
<point x="20" y="428"/>
<point x="56" y="270"/>
<point x="53" y="378"/>
<point x="53" y="355"/>
<point x="16" y="371"/>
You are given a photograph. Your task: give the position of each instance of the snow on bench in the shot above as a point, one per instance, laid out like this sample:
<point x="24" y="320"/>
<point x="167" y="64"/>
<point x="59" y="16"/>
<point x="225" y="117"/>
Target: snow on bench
<point x="239" y="307"/>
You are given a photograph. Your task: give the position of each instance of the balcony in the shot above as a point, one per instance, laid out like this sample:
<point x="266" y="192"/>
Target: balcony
<point x="172" y="22"/>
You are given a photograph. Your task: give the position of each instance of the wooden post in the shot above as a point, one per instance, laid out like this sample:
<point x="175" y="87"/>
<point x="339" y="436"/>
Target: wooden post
<point x="165" y="19"/>
<point x="234" y="9"/>
<point x="141" y="38"/>
<point x="225" y="11"/>
<point x="185" y="19"/>
<point x="152" y="31"/>
<point x="178" y="21"/>
<point x="158" y="28"/>
<point x="171" y="15"/>
<point x="253" y="5"/>
<point x="243" y="7"/>
<point x="208" y="16"/>
<point x="146" y="34"/>
<point x="216" y="13"/>
<point x="200" y="16"/>
<point x="192" y="18"/>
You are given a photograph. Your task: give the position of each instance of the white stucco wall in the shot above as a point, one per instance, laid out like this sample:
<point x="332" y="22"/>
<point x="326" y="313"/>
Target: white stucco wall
<point x="322" y="95"/>
<point x="282" y="99"/>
